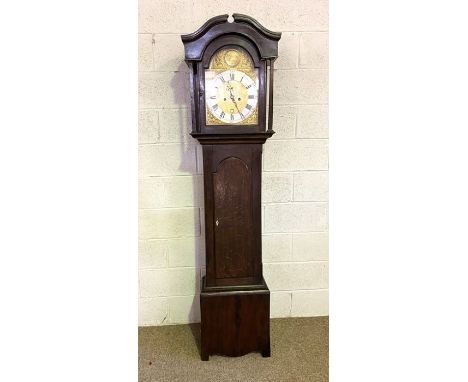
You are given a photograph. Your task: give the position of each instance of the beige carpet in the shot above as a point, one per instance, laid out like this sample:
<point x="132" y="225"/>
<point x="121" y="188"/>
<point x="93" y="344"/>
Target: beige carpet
<point x="299" y="352"/>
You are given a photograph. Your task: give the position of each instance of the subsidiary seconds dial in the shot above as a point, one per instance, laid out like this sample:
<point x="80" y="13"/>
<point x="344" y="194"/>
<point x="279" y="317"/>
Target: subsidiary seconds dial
<point x="231" y="96"/>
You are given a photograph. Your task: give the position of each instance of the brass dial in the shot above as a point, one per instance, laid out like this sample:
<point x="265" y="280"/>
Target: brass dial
<point x="231" y="88"/>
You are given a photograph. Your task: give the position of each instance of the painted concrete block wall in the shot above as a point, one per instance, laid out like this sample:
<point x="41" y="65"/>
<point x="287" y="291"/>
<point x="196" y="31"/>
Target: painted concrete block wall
<point x="295" y="161"/>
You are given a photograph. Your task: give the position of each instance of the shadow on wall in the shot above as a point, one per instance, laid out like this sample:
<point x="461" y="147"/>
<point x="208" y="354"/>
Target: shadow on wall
<point x="189" y="147"/>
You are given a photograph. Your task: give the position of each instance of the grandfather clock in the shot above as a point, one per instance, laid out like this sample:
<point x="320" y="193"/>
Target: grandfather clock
<point x="231" y="90"/>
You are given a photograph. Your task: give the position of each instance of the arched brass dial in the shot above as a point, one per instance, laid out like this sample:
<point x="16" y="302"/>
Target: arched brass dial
<point x="231" y="88"/>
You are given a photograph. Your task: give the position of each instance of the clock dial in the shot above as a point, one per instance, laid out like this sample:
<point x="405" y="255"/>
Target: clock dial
<point x="231" y="88"/>
<point x="231" y="96"/>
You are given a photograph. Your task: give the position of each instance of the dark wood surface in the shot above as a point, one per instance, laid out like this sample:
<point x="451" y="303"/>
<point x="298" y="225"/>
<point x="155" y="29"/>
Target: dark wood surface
<point x="265" y="40"/>
<point x="232" y="179"/>
<point x="232" y="185"/>
<point x="234" y="300"/>
<point x="235" y="322"/>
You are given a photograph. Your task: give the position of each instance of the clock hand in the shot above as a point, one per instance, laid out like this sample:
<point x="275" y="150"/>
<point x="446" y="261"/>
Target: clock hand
<point x="235" y="103"/>
<point x="232" y="96"/>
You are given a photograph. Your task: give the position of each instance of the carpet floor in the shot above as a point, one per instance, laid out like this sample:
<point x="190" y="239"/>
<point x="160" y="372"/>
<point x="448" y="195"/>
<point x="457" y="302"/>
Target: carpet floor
<point x="299" y="352"/>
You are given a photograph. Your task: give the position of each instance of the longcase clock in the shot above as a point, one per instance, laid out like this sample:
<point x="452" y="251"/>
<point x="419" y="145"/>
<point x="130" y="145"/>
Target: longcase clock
<point x="231" y="90"/>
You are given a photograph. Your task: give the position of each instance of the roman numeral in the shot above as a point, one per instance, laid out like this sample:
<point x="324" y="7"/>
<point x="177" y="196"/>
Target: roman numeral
<point x="213" y="97"/>
<point x="215" y="106"/>
<point x="222" y="78"/>
<point x="242" y="78"/>
<point x="242" y="115"/>
<point x="248" y="107"/>
<point x="232" y="117"/>
<point x="251" y="96"/>
<point x="231" y="75"/>
<point x="222" y="114"/>
<point x="248" y="86"/>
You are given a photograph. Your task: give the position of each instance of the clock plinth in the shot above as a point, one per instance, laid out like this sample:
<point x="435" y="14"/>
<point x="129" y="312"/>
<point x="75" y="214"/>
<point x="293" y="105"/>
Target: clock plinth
<point x="231" y="86"/>
<point x="234" y="320"/>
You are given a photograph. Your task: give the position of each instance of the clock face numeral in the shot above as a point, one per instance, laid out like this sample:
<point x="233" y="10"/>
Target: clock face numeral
<point x="231" y="96"/>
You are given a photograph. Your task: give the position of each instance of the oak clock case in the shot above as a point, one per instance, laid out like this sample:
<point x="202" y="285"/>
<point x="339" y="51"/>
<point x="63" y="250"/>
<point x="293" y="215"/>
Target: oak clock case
<point x="231" y="92"/>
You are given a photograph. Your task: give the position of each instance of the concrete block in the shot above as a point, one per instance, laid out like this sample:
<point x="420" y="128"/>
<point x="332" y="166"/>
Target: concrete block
<point x="199" y="159"/>
<point x="165" y="16"/>
<point x="163" y="90"/>
<point x="184" y="309"/>
<point x="310" y="246"/>
<point x="263" y="218"/>
<point x="314" y="50"/>
<point x="169" y="282"/>
<point x="293" y="276"/>
<point x="168" y="159"/>
<point x="151" y="192"/>
<point x="145" y="53"/>
<point x="312" y="121"/>
<point x="276" y="248"/>
<point x="277" y="187"/>
<point x="174" y="191"/>
<point x="301" y="87"/>
<point x="152" y="254"/>
<point x="280" y="15"/>
<point x="205" y="9"/>
<point x="184" y="191"/>
<point x="288" y="51"/>
<point x="153" y="311"/>
<point x="164" y="126"/>
<point x="186" y="252"/>
<point x="296" y="217"/>
<point x="284" y="122"/>
<point x="295" y="15"/>
<point x="174" y="126"/>
<point x="311" y="186"/>
<point x="169" y="53"/>
<point x="148" y="126"/>
<point x="310" y="303"/>
<point x="169" y="222"/>
<point x="296" y="155"/>
<point x="184" y="16"/>
<point x="280" y="304"/>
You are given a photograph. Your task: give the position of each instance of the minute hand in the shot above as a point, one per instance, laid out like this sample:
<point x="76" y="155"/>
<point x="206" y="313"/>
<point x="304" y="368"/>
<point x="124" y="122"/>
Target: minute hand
<point x="232" y="98"/>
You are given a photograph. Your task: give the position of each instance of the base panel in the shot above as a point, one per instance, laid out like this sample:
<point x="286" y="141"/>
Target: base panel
<point x="235" y="322"/>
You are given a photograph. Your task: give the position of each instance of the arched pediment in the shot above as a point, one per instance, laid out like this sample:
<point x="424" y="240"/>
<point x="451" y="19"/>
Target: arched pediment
<point x="243" y="25"/>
